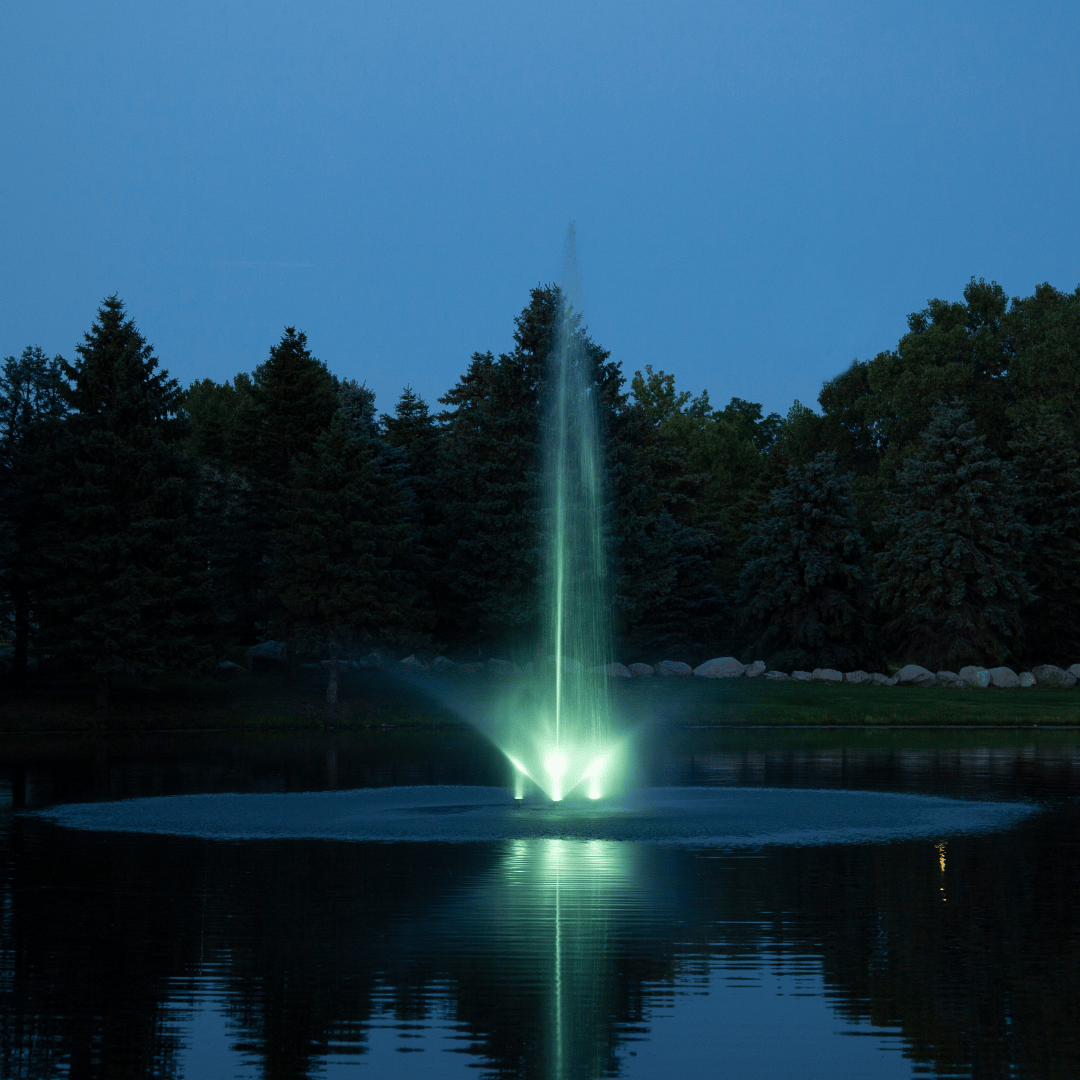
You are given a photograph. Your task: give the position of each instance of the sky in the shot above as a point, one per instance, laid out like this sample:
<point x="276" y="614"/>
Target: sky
<point x="762" y="191"/>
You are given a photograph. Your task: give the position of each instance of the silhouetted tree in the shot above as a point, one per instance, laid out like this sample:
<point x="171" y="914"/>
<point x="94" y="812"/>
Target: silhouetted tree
<point x="950" y="577"/>
<point x="126" y="588"/>
<point x="334" y="556"/>
<point x="31" y="406"/>
<point x="805" y="596"/>
<point x="1046" y="465"/>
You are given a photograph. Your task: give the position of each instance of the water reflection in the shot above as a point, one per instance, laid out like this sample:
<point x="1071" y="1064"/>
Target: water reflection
<point x="544" y="958"/>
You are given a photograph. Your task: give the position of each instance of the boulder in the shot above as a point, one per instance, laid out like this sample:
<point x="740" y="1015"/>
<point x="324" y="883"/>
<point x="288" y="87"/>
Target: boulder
<point x="859" y="678"/>
<point x="755" y="669"/>
<point x="883" y="680"/>
<point x="410" y="663"/>
<point x="268" y="654"/>
<point x="1026" y="679"/>
<point x="1048" y="675"/>
<point x="778" y="676"/>
<point x="723" y="667"/>
<point x="950" y="680"/>
<point x="641" y="671"/>
<point x="470" y="669"/>
<point x="975" y="678"/>
<point x="612" y="671"/>
<point x="373" y="661"/>
<point x="442" y="663"/>
<point x="673" y="669"/>
<point x="828" y="674"/>
<point x="572" y="667"/>
<point x="913" y="675"/>
<point x="1074" y="670"/>
<point x="802" y="676"/>
<point x="227" y="667"/>
<point x="1004" y="677"/>
<point x="503" y="667"/>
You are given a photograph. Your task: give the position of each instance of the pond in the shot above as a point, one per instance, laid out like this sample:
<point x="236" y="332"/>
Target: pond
<point x="791" y="928"/>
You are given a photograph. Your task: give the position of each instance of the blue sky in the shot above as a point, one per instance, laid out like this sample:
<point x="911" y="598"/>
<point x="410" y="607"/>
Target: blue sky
<point x="762" y="191"/>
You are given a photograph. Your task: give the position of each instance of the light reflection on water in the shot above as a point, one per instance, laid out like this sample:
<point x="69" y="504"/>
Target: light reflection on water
<point x="561" y="917"/>
<point x="141" y="955"/>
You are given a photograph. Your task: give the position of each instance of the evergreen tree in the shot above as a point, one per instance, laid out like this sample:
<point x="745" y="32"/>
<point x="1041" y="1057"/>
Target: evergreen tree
<point x="414" y="433"/>
<point x="31" y="406"/>
<point x="805" y="596"/>
<point x="288" y="403"/>
<point x="663" y="542"/>
<point x="490" y="479"/>
<point x="950" y="576"/>
<point x="1046" y="464"/>
<point x="126" y="588"/>
<point x="335" y="554"/>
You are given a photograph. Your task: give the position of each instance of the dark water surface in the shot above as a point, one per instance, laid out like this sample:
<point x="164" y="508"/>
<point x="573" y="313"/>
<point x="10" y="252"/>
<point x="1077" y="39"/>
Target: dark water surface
<point x="949" y="946"/>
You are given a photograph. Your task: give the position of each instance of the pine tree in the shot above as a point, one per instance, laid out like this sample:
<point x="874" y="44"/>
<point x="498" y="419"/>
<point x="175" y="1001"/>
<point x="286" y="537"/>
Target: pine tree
<point x="805" y="596"/>
<point x="126" y="589"/>
<point x="490" y="478"/>
<point x="334" y="557"/>
<point x="31" y="406"/>
<point x="1046" y="464"/>
<point x="950" y="576"/>
<point x="287" y="405"/>
<point x="413" y="432"/>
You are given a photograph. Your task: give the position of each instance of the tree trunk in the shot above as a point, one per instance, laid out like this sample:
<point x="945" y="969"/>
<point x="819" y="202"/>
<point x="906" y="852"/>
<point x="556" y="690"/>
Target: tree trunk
<point x="104" y="685"/>
<point x="20" y="594"/>
<point x="332" y="682"/>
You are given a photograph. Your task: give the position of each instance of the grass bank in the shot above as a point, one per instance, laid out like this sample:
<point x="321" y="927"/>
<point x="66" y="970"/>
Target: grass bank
<point x="271" y="701"/>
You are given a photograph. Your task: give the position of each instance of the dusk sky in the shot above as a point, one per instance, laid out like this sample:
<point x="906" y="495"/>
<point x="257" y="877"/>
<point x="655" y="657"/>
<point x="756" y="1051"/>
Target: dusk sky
<point x="763" y="191"/>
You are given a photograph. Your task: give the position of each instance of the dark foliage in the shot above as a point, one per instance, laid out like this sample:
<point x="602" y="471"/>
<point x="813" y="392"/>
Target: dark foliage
<point x="126" y="589"/>
<point x="950" y="576"/>
<point x="805" y="595"/>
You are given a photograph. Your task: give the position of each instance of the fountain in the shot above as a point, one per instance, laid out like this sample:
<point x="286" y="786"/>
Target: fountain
<point x="560" y="737"/>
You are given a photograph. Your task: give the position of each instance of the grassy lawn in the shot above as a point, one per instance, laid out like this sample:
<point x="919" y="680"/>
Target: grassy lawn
<point x="746" y="702"/>
<point x="371" y="699"/>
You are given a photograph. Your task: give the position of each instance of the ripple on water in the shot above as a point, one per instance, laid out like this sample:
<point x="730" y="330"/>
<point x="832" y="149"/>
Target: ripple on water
<point x="687" y="816"/>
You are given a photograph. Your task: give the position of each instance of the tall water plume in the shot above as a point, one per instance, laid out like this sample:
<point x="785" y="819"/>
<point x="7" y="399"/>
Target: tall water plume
<point x="566" y="747"/>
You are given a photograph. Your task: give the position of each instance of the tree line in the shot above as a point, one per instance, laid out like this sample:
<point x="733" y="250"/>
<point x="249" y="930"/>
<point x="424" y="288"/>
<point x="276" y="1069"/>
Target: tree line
<point x="929" y="511"/>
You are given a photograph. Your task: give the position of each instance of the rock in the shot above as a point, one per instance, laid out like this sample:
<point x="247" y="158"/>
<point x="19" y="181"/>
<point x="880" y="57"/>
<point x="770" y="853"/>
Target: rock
<point x="1074" y="670"/>
<point x="778" y="676"/>
<point x="1026" y="679"/>
<point x="269" y="654"/>
<point x="410" y="663"/>
<point x="673" y="668"/>
<point x="975" y="678"/>
<point x="859" y="678"/>
<point x="883" y="680"/>
<point x="227" y="667"/>
<point x="828" y="674"/>
<point x="642" y="671"/>
<point x="913" y="675"/>
<point x="950" y="680"/>
<point x="503" y="667"/>
<point x="372" y="661"/>
<point x="612" y="671"/>
<point x="1048" y="675"/>
<point x="442" y="663"/>
<point x="755" y="669"/>
<point x="573" y="667"/>
<point x="1004" y="677"/>
<point x="802" y="676"/>
<point x="470" y="669"/>
<point x="723" y="667"/>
